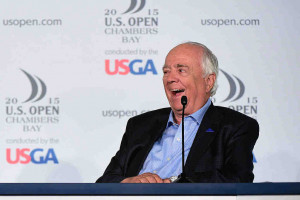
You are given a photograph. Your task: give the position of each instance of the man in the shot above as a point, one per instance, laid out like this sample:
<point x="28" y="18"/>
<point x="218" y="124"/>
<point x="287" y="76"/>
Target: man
<point x="218" y="141"/>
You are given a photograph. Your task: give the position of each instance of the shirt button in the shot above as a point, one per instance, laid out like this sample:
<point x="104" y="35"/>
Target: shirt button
<point x="168" y="159"/>
<point x="154" y="171"/>
<point x="178" y="139"/>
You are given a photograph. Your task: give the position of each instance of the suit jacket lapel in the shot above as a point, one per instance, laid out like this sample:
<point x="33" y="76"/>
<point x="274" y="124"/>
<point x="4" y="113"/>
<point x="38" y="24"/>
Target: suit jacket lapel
<point x="144" y="144"/>
<point x="206" y="133"/>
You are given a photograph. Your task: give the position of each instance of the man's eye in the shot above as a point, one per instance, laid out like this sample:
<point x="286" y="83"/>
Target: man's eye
<point x="181" y="70"/>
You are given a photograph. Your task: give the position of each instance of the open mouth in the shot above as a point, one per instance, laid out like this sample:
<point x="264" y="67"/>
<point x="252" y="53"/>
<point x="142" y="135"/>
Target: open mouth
<point x="177" y="92"/>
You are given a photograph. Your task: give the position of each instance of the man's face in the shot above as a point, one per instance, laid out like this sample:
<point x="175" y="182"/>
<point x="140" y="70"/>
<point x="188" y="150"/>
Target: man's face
<point x="183" y="75"/>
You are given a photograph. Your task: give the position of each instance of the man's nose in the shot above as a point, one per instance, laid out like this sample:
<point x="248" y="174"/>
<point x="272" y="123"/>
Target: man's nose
<point x="173" y="77"/>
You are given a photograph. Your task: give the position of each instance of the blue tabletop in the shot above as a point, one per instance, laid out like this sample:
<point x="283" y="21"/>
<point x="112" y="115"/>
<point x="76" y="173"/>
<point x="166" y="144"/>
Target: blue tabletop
<point x="149" y="189"/>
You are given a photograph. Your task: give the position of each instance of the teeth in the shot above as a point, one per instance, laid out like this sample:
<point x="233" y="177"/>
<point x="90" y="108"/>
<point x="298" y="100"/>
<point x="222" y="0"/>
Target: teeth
<point x="177" y="90"/>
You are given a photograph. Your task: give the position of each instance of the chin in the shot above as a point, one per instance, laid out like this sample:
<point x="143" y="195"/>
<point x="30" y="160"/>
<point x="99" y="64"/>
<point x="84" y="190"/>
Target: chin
<point x="177" y="108"/>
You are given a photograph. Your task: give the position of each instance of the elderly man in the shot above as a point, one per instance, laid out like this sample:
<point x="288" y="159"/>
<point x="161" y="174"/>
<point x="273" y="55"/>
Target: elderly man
<point x="218" y="141"/>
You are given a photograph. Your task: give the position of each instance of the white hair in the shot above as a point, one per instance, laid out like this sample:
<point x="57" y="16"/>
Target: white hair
<point x="209" y="64"/>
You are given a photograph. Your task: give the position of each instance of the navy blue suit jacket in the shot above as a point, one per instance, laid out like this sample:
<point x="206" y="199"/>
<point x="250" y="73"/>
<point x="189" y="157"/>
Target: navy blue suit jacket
<point x="221" y="151"/>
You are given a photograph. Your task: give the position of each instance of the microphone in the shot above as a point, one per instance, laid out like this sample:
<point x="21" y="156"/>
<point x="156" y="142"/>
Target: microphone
<point x="182" y="177"/>
<point x="183" y="101"/>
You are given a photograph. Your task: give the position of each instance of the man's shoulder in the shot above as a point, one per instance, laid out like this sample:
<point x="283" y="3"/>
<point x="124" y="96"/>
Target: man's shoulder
<point x="162" y="112"/>
<point x="232" y="116"/>
<point x="229" y="112"/>
<point x="155" y="118"/>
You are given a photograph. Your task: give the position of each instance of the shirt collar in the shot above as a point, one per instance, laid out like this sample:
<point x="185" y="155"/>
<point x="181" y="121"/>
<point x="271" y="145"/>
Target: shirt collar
<point x="197" y="116"/>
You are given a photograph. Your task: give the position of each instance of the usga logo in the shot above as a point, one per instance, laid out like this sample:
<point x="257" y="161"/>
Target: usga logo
<point x="36" y="156"/>
<point x="135" y="67"/>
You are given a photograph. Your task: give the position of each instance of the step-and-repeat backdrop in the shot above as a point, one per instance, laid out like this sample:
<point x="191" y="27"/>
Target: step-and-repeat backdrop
<point x="73" y="72"/>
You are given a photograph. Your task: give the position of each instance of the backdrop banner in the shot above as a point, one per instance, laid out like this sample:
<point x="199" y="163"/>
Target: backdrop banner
<point x="73" y="72"/>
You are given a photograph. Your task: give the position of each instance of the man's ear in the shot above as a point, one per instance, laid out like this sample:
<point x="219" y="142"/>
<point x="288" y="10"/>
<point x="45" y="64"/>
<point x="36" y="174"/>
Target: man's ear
<point x="210" y="81"/>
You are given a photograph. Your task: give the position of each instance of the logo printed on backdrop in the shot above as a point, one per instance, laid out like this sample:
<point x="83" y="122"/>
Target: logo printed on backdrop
<point x="133" y="5"/>
<point x="135" y="67"/>
<point x="232" y="85"/>
<point x="235" y="99"/>
<point x="34" y="87"/>
<point x="36" y="156"/>
<point x="25" y="117"/>
<point x="30" y="115"/>
<point x="132" y="26"/>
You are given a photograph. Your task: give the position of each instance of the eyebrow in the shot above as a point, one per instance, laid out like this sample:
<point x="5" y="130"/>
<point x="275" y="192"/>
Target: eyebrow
<point x="165" y="66"/>
<point x="177" y="66"/>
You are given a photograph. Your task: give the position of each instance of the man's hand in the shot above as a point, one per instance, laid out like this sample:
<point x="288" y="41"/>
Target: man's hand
<point x="146" y="178"/>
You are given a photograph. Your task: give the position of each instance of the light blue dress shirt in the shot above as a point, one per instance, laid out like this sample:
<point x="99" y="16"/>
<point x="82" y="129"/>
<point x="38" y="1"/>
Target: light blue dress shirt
<point x="164" y="159"/>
